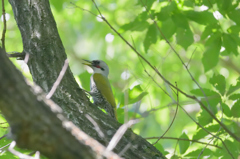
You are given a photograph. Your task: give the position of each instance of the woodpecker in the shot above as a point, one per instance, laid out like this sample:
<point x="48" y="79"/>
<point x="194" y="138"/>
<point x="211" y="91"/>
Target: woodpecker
<point x="101" y="90"/>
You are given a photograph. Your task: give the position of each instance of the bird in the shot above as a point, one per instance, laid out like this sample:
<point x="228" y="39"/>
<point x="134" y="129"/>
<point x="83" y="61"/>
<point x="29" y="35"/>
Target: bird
<point x="100" y="88"/>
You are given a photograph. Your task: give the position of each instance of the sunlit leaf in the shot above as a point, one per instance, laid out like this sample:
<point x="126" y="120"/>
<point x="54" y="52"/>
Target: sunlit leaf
<point x="201" y="133"/>
<point x="175" y="157"/>
<point x="234" y="29"/>
<point x="210" y="31"/>
<point x="196" y="153"/>
<point x="58" y="4"/>
<point x="168" y="28"/>
<point x="139" y="24"/>
<point x="204" y="17"/>
<point x="151" y="37"/>
<point x="180" y="20"/>
<point x="85" y="80"/>
<point x="230" y="44"/>
<point x="184" y="37"/>
<point x="204" y="118"/>
<point x="226" y="110"/>
<point x="147" y="3"/>
<point x="234" y="15"/>
<point x="236" y="109"/>
<point x="233" y="88"/>
<point x="219" y="82"/>
<point x="161" y="149"/>
<point x="232" y="146"/>
<point x="183" y="145"/>
<point x="235" y="96"/>
<point x="211" y="55"/>
<point x="134" y="95"/>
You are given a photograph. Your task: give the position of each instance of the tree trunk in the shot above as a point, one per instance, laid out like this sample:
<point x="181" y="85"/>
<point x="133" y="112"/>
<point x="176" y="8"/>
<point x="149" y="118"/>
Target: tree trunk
<point x="46" y="58"/>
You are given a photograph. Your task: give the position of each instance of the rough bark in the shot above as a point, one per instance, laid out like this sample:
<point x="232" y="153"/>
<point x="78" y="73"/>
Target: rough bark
<point x="37" y="123"/>
<point x="42" y="42"/>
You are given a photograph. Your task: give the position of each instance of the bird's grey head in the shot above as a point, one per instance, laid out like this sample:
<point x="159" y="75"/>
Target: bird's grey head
<point x="100" y="66"/>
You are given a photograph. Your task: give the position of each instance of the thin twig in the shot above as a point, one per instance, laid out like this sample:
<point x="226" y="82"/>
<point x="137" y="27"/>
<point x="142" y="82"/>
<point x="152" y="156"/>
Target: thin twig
<point x="120" y="132"/>
<point x="166" y="40"/>
<point x="174" y="138"/>
<point x="207" y="131"/>
<point x="175" y="147"/>
<point x="19" y="154"/>
<point x="5" y="146"/>
<point x="124" y="149"/>
<point x="26" y="58"/>
<point x="4" y="26"/>
<point x="196" y="121"/>
<point x="191" y="57"/>
<point x="3" y="136"/>
<point x="96" y="127"/>
<point x="84" y="9"/>
<point x="174" y="117"/>
<point x="59" y="79"/>
<point x="213" y="138"/>
<point x="165" y="80"/>
<point x="169" y="83"/>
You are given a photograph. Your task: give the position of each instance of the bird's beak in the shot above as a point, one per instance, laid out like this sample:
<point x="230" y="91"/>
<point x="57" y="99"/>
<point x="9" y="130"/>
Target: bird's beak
<point x="88" y="63"/>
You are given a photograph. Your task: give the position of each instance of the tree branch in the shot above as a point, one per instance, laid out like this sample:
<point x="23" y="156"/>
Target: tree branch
<point x="46" y="58"/>
<point x="38" y="123"/>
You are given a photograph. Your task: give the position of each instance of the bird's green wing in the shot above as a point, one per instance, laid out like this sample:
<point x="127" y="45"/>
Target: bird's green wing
<point x="104" y="87"/>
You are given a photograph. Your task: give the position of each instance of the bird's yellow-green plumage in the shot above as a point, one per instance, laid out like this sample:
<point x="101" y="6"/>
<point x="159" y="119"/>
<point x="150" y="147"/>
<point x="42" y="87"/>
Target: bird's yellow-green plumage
<point x="104" y="87"/>
<point x="101" y="90"/>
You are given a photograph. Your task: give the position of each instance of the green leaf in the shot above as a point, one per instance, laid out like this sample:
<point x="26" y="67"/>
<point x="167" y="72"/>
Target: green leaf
<point x="204" y="17"/>
<point x="184" y="37"/>
<point x="183" y="145"/>
<point x="161" y="149"/>
<point x="230" y="44"/>
<point x="85" y="80"/>
<point x="213" y="99"/>
<point x="175" y="157"/>
<point x="58" y="4"/>
<point x="211" y="55"/>
<point x="234" y="29"/>
<point x="226" y="110"/>
<point x="234" y="15"/>
<point x="134" y="95"/>
<point x="180" y="20"/>
<point x="139" y="24"/>
<point x="164" y="14"/>
<point x="225" y="5"/>
<point x="219" y="82"/>
<point x="147" y="3"/>
<point x="231" y="125"/>
<point x="233" y="88"/>
<point x="210" y="30"/>
<point x="201" y="133"/>
<point x="236" y="109"/>
<point x="151" y="37"/>
<point x="168" y="28"/>
<point x="234" y="96"/>
<point x="195" y="153"/>
<point x="121" y="115"/>
<point x="204" y="118"/>
<point x="232" y="146"/>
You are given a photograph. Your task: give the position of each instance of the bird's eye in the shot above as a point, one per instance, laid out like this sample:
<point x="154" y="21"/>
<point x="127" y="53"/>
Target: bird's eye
<point x="102" y="69"/>
<point x="96" y="62"/>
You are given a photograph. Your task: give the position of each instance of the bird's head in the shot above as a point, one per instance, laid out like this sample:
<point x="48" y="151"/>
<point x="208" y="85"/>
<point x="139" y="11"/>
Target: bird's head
<point x="98" y="66"/>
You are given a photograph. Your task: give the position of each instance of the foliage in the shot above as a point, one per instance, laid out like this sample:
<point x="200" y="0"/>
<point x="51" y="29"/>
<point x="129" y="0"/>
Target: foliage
<point x="204" y="33"/>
